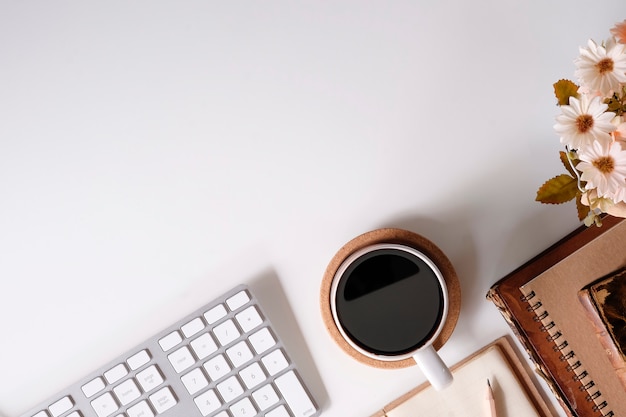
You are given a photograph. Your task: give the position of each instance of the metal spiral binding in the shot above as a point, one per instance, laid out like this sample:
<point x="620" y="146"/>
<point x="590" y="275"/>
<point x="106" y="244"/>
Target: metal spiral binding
<point x="534" y="307"/>
<point x="587" y="386"/>
<point x="561" y="347"/>
<point x="580" y="376"/>
<point x="574" y="366"/>
<point x="593" y="396"/>
<point x="568" y="357"/>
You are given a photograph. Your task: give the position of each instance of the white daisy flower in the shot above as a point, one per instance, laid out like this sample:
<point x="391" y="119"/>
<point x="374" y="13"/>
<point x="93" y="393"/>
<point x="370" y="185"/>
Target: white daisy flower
<point x="583" y="121"/>
<point x="604" y="169"/>
<point x="602" y="68"/>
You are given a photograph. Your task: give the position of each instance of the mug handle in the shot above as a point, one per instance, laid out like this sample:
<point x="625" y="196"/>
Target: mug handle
<point x="433" y="367"/>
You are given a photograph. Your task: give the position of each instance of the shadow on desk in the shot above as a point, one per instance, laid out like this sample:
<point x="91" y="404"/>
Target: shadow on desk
<point x="267" y="288"/>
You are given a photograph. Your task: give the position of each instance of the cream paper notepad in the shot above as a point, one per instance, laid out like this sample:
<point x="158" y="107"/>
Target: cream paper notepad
<point x="514" y="392"/>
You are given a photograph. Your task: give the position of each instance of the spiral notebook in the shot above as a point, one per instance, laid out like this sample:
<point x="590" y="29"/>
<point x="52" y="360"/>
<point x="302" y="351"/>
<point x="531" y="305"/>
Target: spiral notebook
<point x="540" y="302"/>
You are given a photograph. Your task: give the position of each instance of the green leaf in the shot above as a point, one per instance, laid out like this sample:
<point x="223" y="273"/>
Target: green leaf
<point x="563" y="90"/>
<point x="557" y="190"/>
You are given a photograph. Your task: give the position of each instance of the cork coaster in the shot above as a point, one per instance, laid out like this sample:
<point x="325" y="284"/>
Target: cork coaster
<point x="402" y="237"/>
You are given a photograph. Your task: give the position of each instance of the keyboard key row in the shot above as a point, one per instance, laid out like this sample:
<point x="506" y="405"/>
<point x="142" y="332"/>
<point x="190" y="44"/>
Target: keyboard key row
<point x="212" y="316"/>
<point x="127" y="391"/>
<point x="290" y="388"/>
<point x="116" y="373"/>
<point x="231" y="388"/>
<point x="58" y="408"/>
<point x="45" y="414"/>
<point x="162" y="400"/>
<point x="218" y="366"/>
<point x="204" y="346"/>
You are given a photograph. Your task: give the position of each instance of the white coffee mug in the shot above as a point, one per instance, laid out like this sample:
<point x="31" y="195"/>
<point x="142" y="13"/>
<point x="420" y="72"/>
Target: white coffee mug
<point x="390" y="303"/>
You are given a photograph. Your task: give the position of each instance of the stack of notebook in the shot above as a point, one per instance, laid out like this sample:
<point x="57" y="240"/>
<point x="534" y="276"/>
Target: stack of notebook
<point x="547" y="304"/>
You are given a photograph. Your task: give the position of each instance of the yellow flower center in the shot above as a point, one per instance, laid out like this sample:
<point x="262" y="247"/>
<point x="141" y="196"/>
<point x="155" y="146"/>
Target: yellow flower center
<point x="604" y="164"/>
<point x="584" y="122"/>
<point x="605" y="65"/>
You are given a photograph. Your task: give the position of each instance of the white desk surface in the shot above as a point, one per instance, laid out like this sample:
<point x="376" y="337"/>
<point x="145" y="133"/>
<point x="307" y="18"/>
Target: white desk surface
<point x="154" y="154"/>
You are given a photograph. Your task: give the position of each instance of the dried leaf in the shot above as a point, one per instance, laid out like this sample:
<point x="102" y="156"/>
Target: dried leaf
<point x="557" y="190"/>
<point x="563" y="90"/>
<point x="583" y="210"/>
<point x="616" y="104"/>
<point x="566" y="164"/>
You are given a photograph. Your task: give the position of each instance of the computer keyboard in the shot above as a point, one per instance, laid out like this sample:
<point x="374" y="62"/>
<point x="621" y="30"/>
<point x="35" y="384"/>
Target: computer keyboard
<point x="223" y="360"/>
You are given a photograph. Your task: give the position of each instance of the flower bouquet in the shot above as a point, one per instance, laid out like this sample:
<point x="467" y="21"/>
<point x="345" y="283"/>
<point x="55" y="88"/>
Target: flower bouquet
<point x="592" y="127"/>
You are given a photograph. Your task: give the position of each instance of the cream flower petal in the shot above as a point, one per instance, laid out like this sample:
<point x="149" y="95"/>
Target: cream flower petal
<point x="602" y="68"/>
<point x="583" y="121"/>
<point x="591" y="199"/>
<point x="619" y="31"/>
<point x="604" y="169"/>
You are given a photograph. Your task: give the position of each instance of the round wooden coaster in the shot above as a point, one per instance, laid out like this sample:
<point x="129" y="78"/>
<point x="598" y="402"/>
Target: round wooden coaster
<point x="402" y="237"/>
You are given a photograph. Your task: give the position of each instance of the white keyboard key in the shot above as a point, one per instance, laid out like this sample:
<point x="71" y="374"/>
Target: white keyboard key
<point x="138" y="360"/>
<point x="61" y="406"/>
<point x="238" y="300"/>
<point x="181" y="359"/>
<point x="262" y="340"/>
<point x="149" y="378"/>
<point x="252" y="376"/>
<point x="163" y="400"/>
<point x="42" y="414"/>
<point x="203" y="346"/>
<point x="127" y="392"/>
<point x="93" y="387"/>
<point x="216" y="313"/>
<point x="217" y="367"/>
<point x="243" y="408"/>
<point x="141" y="409"/>
<point x="280" y="411"/>
<point x="207" y="402"/>
<point x="226" y="332"/>
<point x="239" y="354"/>
<point x="169" y="341"/>
<point x="296" y="397"/>
<point x="104" y="405"/>
<point x="74" y="414"/>
<point x="249" y="318"/>
<point x="222" y="414"/>
<point x="193" y="327"/>
<point x="116" y="373"/>
<point x="265" y="397"/>
<point x="230" y="389"/>
<point x="275" y="362"/>
<point x="194" y="381"/>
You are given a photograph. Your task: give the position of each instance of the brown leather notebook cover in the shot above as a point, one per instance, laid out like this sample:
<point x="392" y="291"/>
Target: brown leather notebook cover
<point x="551" y="363"/>
<point x="605" y="304"/>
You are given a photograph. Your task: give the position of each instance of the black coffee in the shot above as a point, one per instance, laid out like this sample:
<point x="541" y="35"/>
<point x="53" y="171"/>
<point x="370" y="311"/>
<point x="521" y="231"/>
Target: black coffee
<point x="389" y="302"/>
